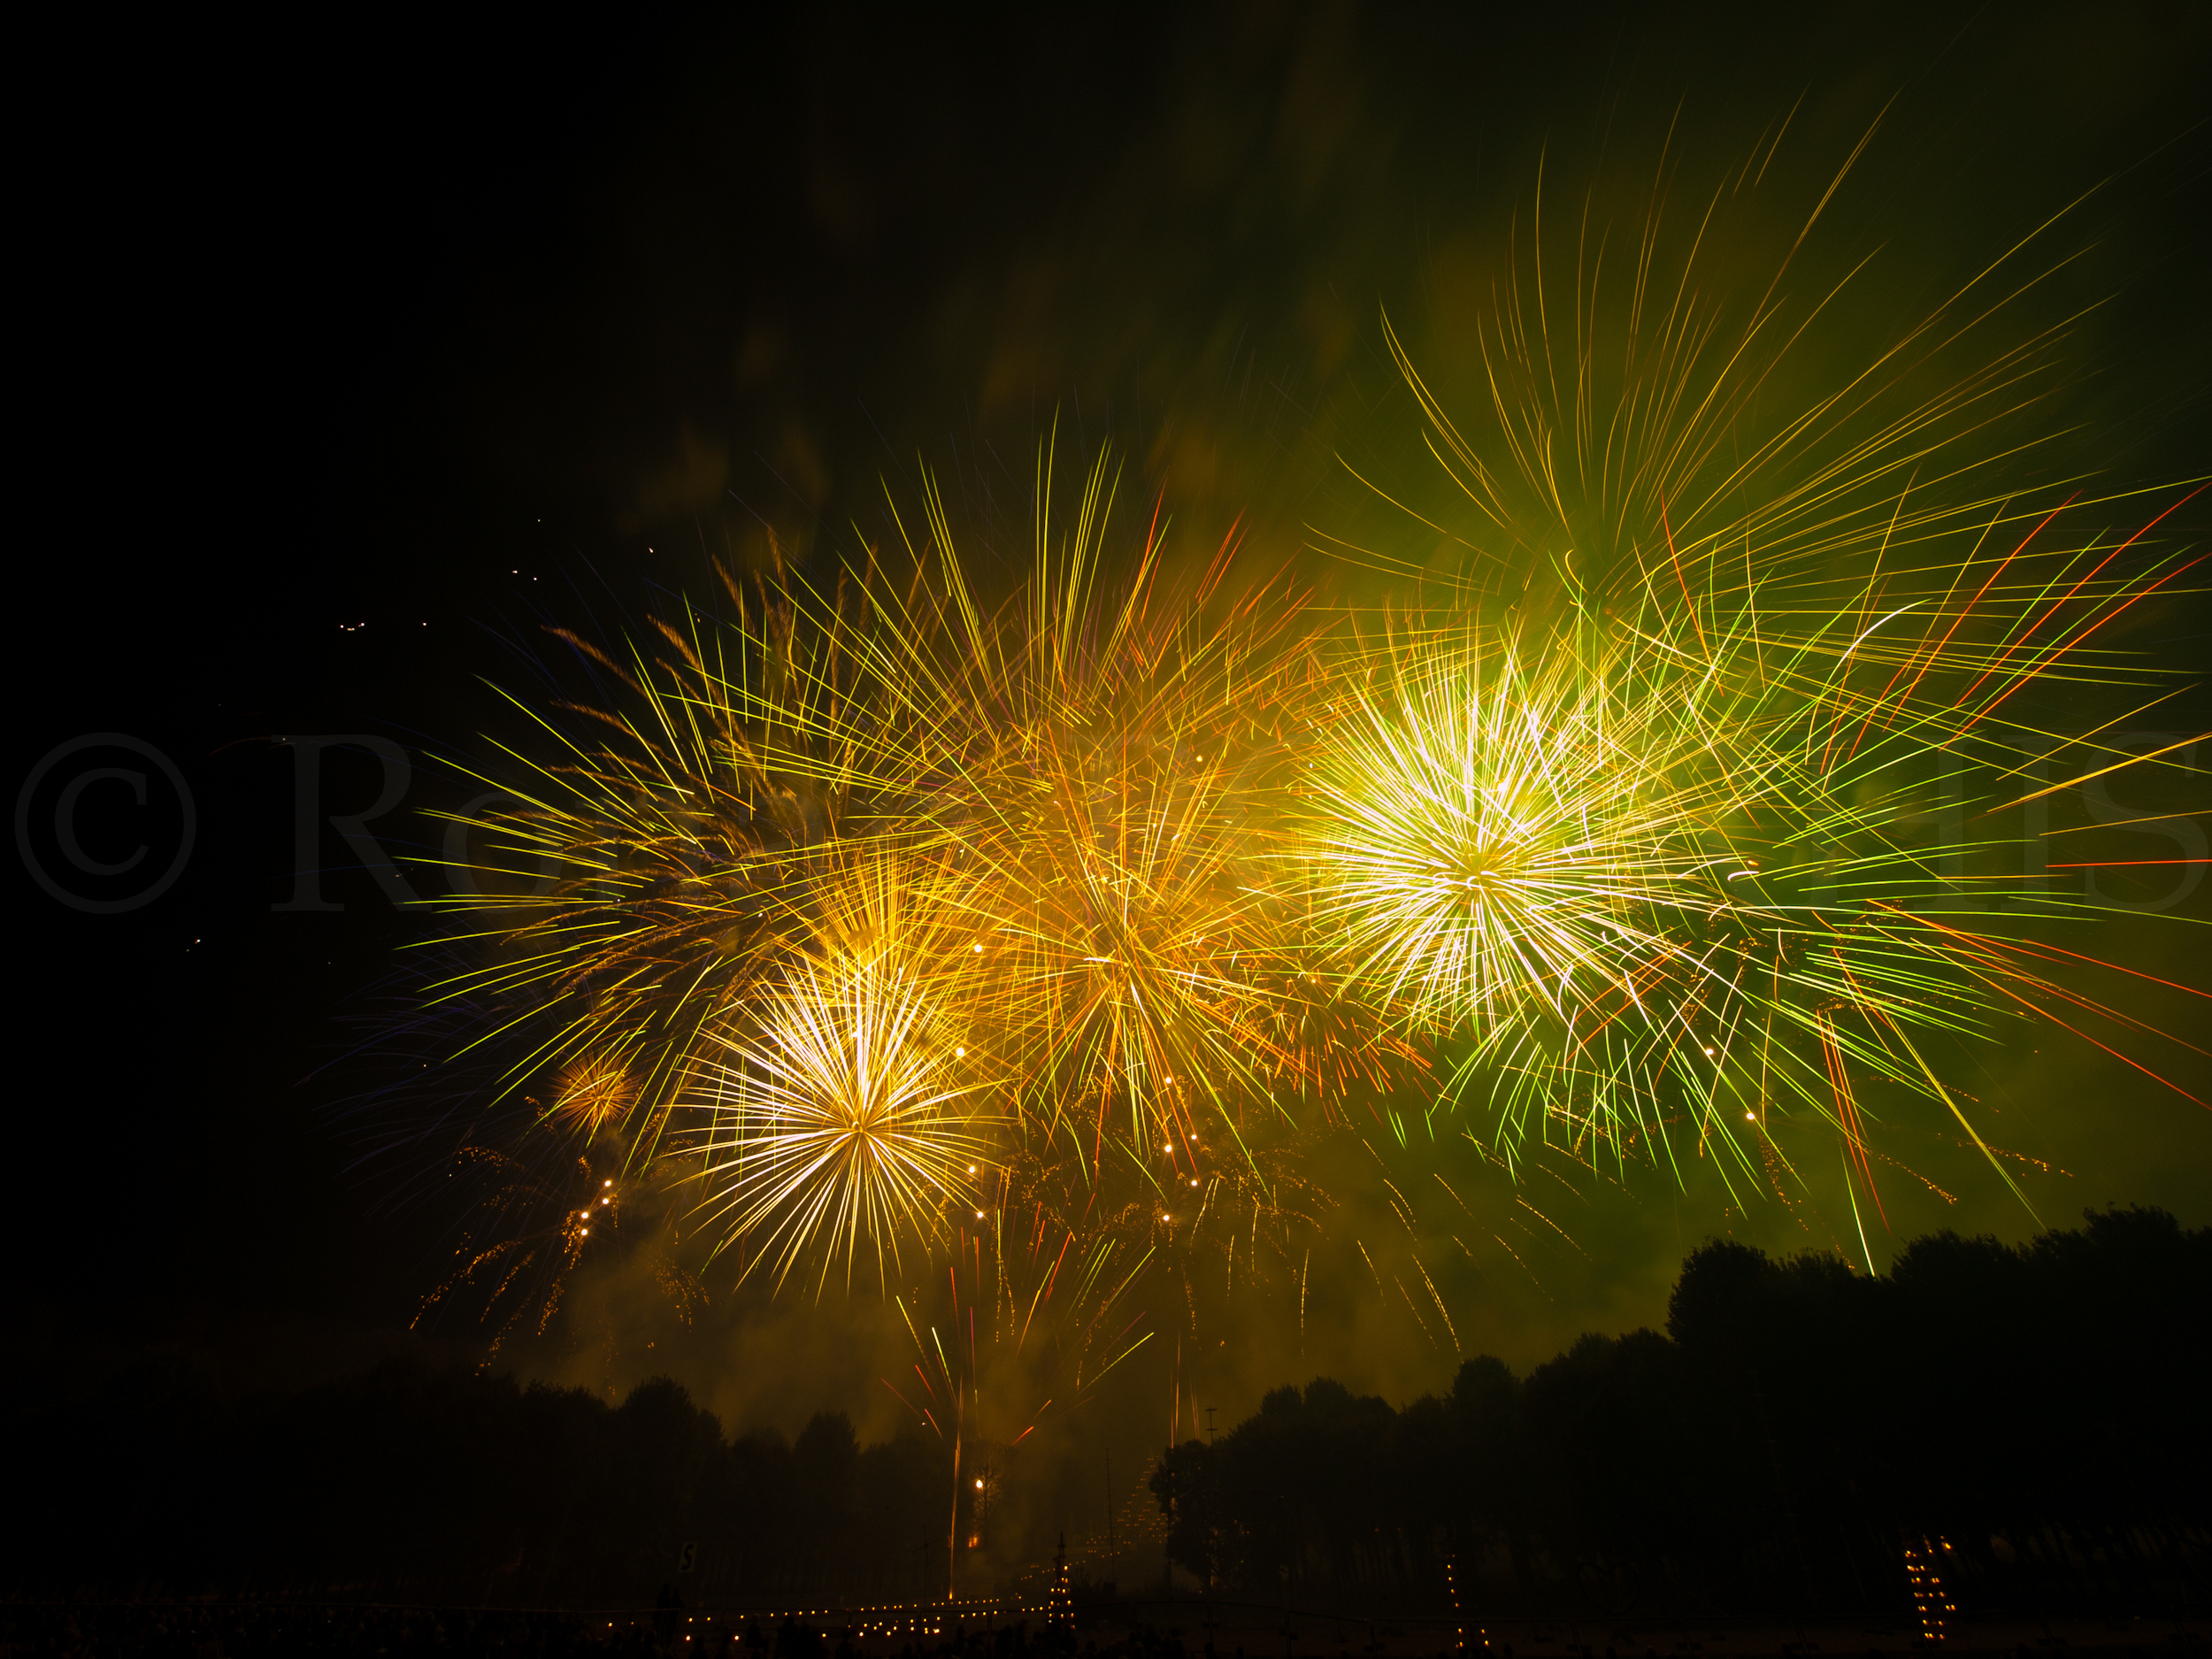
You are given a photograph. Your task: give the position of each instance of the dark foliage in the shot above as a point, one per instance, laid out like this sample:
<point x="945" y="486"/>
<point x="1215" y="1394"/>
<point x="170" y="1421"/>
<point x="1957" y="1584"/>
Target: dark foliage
<point x="2035" y="1414"/>
<point x="409" y="1485"/>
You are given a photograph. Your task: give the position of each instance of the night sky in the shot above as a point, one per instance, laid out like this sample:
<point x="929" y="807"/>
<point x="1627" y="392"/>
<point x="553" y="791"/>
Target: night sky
<point x="354" y="359"/>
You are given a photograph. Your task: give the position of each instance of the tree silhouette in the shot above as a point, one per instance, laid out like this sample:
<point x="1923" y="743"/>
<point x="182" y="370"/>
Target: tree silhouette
<point x="2032" y="1414"/>
<point x="2034" y="1406"/>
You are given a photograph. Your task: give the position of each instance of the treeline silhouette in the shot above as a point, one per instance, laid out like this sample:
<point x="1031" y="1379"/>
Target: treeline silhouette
<point x="2036" y="1418"/>
<point x="411" y="1485"/>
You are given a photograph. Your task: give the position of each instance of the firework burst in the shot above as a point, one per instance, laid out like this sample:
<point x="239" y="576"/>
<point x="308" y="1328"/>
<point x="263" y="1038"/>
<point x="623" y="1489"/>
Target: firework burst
<point x="1492" y="838"/>
<point x="1047" y="933"/>
<point x="844" y="1107"/>
<point x="1666" y="833"/>
<point x="861" y="892"/>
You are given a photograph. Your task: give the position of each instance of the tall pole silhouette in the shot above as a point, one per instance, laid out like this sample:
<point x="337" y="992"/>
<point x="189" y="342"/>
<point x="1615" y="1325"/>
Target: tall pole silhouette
<point x="952" y="1524"/>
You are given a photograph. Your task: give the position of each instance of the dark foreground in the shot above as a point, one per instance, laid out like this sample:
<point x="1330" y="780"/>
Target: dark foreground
<point x="236" y="1630"/>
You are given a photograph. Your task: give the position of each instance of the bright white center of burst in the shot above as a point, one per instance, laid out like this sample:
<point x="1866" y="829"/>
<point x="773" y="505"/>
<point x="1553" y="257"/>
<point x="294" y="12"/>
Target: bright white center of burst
<point x="837" y="1124"/>
<point x="1494" y="833"/>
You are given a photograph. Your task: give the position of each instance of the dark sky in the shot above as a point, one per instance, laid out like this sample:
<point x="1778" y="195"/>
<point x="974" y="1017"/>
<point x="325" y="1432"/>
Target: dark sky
<point x="350" y="354"/>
